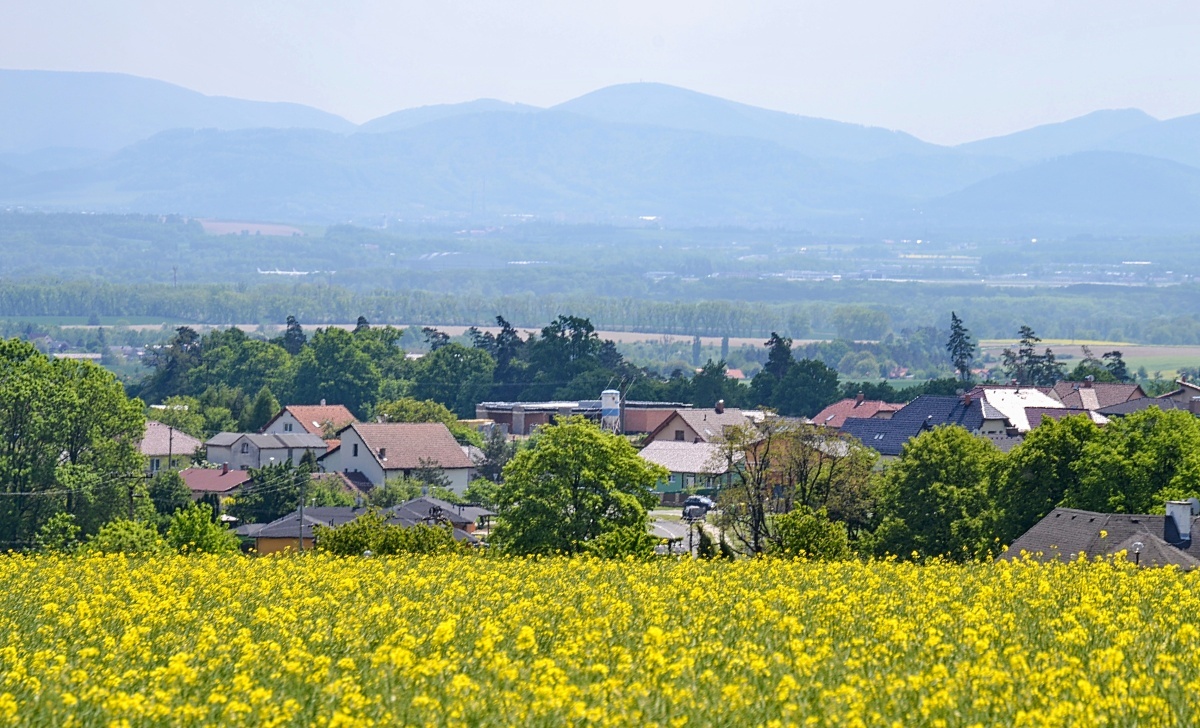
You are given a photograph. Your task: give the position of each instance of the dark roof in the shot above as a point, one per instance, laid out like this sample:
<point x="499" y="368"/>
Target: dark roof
<point x="1142" y="403"/>
<point x="1037" y="415"/>
<point x="1067" y="532"/>
<point x="1096" y="395"/>
<point x="457" y="515"/>
<point x="925" y="412"/>
<point x="289" y="526"/>
<point x="213" y="480"/>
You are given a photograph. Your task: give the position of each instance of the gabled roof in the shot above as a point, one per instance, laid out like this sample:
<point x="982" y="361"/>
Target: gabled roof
<point x="838" y="412"/>
<point x="925" y="412"/>
<point x="1137" y="405"/>
<point x="708" y="424"/>
<point x="1067" y="532"/>
<point x="1095" y="395"/>
<point x="313" y="417"/>
<point x="1036" y="415"/>
<point x="458" y="515"/>
<point x="213" y="480"/>
<point x="407" y="444"/>
<point x="282" y="441"/>
<point x="1011" y="401"/>
<point x="162" y="439"/>
<point x="686" y="457"/>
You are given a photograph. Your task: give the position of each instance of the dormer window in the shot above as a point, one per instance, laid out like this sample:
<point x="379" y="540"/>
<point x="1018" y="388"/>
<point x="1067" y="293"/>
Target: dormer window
<point x="383" y="453"/>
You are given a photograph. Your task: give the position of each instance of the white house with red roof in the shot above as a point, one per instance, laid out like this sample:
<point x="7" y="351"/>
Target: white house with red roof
<point x="315" y="419"/>
<point x="384" y="450"/>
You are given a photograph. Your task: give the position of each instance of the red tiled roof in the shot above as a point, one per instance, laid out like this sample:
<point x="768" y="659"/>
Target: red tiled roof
<point x="213" y="480"/>
<point x="314" y="416"/>
<point x="408" y="443"/>
<point x="836" y="414"/>
<point x="161" y="440"/>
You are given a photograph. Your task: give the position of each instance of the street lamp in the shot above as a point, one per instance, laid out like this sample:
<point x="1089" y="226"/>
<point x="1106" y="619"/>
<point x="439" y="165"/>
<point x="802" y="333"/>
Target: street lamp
<point x="1137" y="552"/>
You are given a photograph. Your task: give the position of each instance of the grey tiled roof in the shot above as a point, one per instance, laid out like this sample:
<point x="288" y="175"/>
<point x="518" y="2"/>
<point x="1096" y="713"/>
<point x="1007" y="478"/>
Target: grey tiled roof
<point x="925" y="412"/>
<point x="1141" y="403"/>
<point x="290" y="525"/>
<point x="1067" y="532"/>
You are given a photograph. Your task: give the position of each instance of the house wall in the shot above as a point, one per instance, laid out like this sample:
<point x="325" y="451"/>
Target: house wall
<point x="676" y="423"/>
<point x="234" y="456"/>
<point x="459" y="478"/>
<point x="992" y="427"/>
<point x="343" y="460"/>
<point x="279" y="545"/>
<point x="282" y="424"/>
<point x="282" y="454"/>
<point x="645" y="420"/>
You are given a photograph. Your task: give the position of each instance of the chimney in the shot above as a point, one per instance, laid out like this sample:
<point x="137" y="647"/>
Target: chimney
<point x="224" y="468"/>
<point x="322" y="401"/>
<point x="1177" y="526"/>
<point x="966" y="399"/>
<point x="859" y="399"/>
<point x="720" y="406"/>
<point x="1087" y="381"/>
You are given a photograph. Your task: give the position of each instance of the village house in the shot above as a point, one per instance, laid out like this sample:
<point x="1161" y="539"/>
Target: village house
<point x="317" y="419"/>
<point x="699" y="465"/>
<point x="1146" y="540"/>
<point x="243" y="450"/>
<point x="888" y="436"/>
<point x="286" y="533"/>
<point x="385" y="450"/>
<point x="522" y="418"/>
<point x="221" y="482"/>
<point x="698" y="425"/>
<point x="837" y="413"/>
<point x="166" y="447"/>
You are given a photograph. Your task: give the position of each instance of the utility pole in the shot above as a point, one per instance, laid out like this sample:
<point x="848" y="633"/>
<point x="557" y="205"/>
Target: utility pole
<point x="300" y="528"/>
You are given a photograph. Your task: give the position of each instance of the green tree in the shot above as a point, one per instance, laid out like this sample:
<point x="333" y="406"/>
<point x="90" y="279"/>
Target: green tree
<point x="122" y="536"/>
<point x="960" y="347"/>
<point x="575" y="484"/>
<point x="332" y="368"/>
<point x="621" y="543"/>
<point x="293" y="336"/>
<point x="394" y="492"/>
<point x="811" y="534"/>
<point x="169" y="493"/>
<point x="264" y="407"/>
<point x="183" y="413"/>
<point x="192" y="530"/>
<point x="497" y="451"/>
<point x="481" y="491"/>
<point x="273" y="492"/>
<point x="70" y="442"/>
<point x="59" y="534"/>
<point x="808" y="387"/>
<point x="1040" y="473"/>
<point x="1138" y="462"/>
<point x="454" y="376"/>
<point x="934" y="500"/>
<point x="407" y="409"/>
<point x="371" y="532"/>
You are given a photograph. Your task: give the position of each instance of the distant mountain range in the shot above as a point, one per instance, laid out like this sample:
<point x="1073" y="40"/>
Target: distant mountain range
<point x="95" y="141"/>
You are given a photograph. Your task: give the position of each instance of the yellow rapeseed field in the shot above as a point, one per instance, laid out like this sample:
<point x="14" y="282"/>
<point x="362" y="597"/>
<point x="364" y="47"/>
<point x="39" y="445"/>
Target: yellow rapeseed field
<point x="465" y="640"/>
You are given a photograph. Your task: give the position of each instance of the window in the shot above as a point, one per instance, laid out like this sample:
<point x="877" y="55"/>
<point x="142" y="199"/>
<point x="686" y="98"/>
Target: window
<point x="245" y="447"/>
<point x="287" y="427"/>
<point x="155" y="465"/>
<point x="679" y="435"/>
<point x="355" y="453"/>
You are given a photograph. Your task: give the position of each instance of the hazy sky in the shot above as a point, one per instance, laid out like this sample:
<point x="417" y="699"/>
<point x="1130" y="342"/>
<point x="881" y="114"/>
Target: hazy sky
<point x="947" y="71"/>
